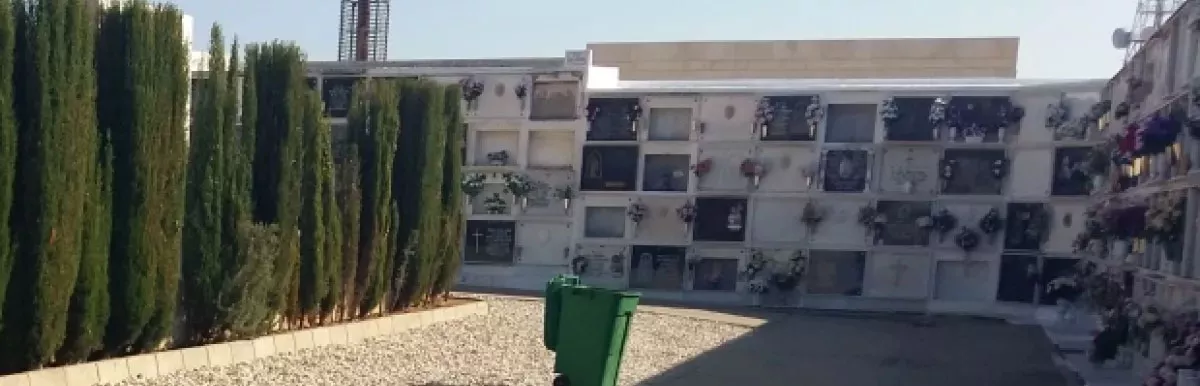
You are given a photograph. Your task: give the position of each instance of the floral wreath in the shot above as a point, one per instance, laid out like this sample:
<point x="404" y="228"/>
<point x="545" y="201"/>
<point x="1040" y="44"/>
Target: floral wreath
<point x="967" y="240"/>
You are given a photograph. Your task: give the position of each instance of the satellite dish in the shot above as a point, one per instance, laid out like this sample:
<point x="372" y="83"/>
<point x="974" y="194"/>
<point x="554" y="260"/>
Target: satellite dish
<point x="1121" y="38"/>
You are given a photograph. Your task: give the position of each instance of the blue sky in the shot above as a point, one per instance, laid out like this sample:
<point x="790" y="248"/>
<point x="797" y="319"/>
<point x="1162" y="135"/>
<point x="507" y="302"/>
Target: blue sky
<point x="1059" y="38"/>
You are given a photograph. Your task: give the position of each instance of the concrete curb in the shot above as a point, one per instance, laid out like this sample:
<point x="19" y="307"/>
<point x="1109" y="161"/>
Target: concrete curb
<point x="224" y="354"/>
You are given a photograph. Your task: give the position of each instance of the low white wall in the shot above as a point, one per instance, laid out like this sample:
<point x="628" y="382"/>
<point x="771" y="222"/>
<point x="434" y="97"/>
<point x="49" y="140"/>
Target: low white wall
<point x="224" y="354"/>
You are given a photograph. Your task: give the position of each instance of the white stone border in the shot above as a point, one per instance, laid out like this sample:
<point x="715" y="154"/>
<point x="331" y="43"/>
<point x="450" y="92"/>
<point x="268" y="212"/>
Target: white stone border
<point x="224" y="354"/>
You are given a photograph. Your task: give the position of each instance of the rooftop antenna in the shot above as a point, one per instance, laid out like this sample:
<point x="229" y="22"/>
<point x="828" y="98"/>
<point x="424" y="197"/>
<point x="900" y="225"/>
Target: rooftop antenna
<point x="1148" y="18"/>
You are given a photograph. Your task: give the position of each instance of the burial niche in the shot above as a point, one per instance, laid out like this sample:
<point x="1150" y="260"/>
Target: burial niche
<point x="836" y="273"/>
<point x="911" y="122"/>
<point x="554" y="100"/>
<point x="905" y="223"/>
<point x="973" y="171"/>
<point x="715" y="274"/>
<point x="846" y="171"/>
<point x="604" y="222"/>
<point x="720" y="219"/>
<point x="670" y="124"/>
<point x="666" y="173"/>
<point x="1070" y="172"/>
<point x="490" y="241"/>
<point x="613" y="119"/>
<point x="657" y="267"/>
<point x="785" y="118"/>
<point x="850" y="123"/>
<point x="609" y="168"/>
<point x="1019" y="278"/>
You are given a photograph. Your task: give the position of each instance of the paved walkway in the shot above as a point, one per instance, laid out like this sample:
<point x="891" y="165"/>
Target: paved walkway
<point x="1073" y="340"/>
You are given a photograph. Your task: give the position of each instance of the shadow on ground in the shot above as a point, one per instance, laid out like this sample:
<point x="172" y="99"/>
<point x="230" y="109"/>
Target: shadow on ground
<point x="815" y="348"/>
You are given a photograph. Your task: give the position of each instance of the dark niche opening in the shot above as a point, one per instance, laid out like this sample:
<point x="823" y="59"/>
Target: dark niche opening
<point x="609" y="168"/>
<point x="1053" y="268"/>
<point x="836" y="273"/>
<point x="490" y="241"/>
<point x="971" y="172"/>
<point x="979" y="115"/>
<point x="846" y="170"/>
<point x="1019" y="278"/>
<point x="336" y="93"/>
<point x="720" y="219"/>
<point x="666" y="173"/>
<point x="788" y="121"/>
<point x="657" y="267"/>
<point x="901" y="228"/>
<point x="1026" y="226"/>
<point x="850" y="123"/>
<point x="912" y="123"/>
<point x="611" y="119"/>
<point x="1070" y="172"/>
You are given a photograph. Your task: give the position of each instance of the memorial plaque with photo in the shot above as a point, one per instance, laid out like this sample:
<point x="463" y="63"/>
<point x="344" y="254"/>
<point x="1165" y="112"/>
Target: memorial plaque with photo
<point x="901" y="228"/>
<point x="554" y="100"/>
<point x="609" y="168"/>
<point x="490" y="241"/>
<point x="836" y="273"/>
<point x="1070" y="172"/>
<point x="1053" y="268"/>
<point x="850" y="123"/>
<point x="657" y="267"/>
<point x="1027" y="225"/>
<point x="982" y="113"/>
<point x="715" y="275"/>
<point x="788" y="122"/>
<point x="720" y="219"/>
<point x="971" y="172"/>
<point x="610" y="119"/>
<point x="1019" y="278"/>
<point x="913" y="121"/>
<point x="846" y="170"/>
<point x="336" y="93"/>
<point x="666" y="173"/>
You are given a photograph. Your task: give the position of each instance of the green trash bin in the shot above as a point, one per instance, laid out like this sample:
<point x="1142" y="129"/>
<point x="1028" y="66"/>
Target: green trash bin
<point x="551" y="319"/>
<point x="591" y="338"/>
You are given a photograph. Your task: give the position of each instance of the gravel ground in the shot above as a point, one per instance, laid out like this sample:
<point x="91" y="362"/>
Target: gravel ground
<point x="502" y="348"/>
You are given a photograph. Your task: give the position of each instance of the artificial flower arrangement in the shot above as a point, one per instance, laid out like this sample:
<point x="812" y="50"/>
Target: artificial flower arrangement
<point x="1095" y="229"/>
<point x="472" y="184"/>
<point x="999" y="168"/>
<point x="566" y="194"/>
<point x="634" y="114"/>
<point x="813" y="115"/>
<point x="518" y="185"/>
<point x="703" y="167"/>
<point x="967" y="240"/>
<point x="1058" y="114"/>
<point x="943" y="222"/>
<point x="1011" y="116"/>
<point x="991" y="224"/>
<point x="686" y="214"/>
<point x="788" y="280"/>
<point x="754" y="170"/>
<point x="938" y="114"/>
<point x="764" y="113"/>
<point x="812" y="216"/>
<point x="499" y="158"/>
<point x="579" y="265"/>
<point x="872" y="220"/>
<point x="889" y="112"/>
<point x="495" y="204"/>
<point x="1158" y="134"/>
<point x="637" y="212"/>
<point x="756" y="264"/>
<point x="471" y="91"/>
<point x="522" y="92"/>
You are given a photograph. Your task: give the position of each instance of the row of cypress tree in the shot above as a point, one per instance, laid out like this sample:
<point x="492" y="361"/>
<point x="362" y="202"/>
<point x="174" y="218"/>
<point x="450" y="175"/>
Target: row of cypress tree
<point x="119" y="217"/>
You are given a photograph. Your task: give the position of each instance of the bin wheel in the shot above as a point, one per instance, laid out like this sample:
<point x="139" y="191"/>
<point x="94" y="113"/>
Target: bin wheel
<point x="561" y="380"/>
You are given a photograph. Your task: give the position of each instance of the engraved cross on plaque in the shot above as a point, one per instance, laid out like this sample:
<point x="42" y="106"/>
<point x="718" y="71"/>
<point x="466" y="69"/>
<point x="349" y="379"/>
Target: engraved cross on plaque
<point x="898" y="268"/>
<point x="477" y="235"/>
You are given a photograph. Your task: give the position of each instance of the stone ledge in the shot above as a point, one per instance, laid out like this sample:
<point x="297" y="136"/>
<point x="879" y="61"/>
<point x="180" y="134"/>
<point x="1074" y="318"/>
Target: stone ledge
<point x="221" y="354"/>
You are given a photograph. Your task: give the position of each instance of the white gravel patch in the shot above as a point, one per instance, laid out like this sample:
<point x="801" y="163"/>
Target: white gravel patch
<point x="502" y="348"/>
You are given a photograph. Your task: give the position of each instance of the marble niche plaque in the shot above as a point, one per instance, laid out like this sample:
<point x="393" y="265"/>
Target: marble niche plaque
<point x="971" y="172"/>
<point x="609" y="168"/>
<point x="899" y="276"/>
<point x="912" y="124"/>
<point x="1019" y="277"/>
<point x="490" y="241"/>
<point x="543" y="243"/>
<point x="604" y="222"/>
<point x="788" y="122"/>
<point x="666" y="173"/>
<point x="542" y="201"/>
<point x="726" y="172"/>
<point x="1070" y="172"/>
<point x="909" y="171"/>
<point x="980" y="114"/>
<point x="336" y="93"/>
<point x="727" y="118"/>
<point x="661" y="224"/>
<point x="850" y="123"/>
<point x="1022" y="223"/>
<point x="836" y="273"/>
<point x="789" y="168"/>
<point x="720" y="219"/>
<point x="611" y="119"/>
<point x="1066" y="221"/>
<point x="778" y="220"/>
<point x="669" y="124"/>
<point x="840" y="228"/>
<point x="655" y="267"/>
<point x="715" y="274"/>
<point x="846" y="171"/>
<point x="499" y="98"/>
<point x="554" y="100"/>
<point x="902" y="216"/>
<point x="963" y="281"/>
<point x="607" y="265"/>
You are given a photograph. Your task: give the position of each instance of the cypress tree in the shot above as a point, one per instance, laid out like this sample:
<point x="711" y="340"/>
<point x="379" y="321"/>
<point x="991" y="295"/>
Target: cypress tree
<point x="203" y="231"/>
<point x="8" y="142"/>
<point x="349" y="191"/>
<point x="452" y="196"/>
<point x="90" y="303"/>
<point x="332" y="218"/>
<point x="431" y="225"/>
<point x="376" y="124"/>
<point x="313" y="279"/>
<point x="418" y="187"/>
<point x="58" y="144"/>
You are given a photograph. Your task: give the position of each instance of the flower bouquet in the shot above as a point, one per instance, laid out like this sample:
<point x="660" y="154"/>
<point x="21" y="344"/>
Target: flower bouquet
<point x="637" y="212"/>
<point x="579" y="265"/>
<point x="764" y="113"/>
<point x="522" y="92"/>
<point x="999" y="168"/>
<point x="703" y="167"/>
<point x="811" y="216"/>
<point x="944" y="222"/>
<point x="634" y="116"/>
<point x="1164" y="221"/>
<point x="813" y="115"/>
<point x="967" y="240"/>
<point x="788" y="280"/>
<point x="518" y="185"/>
<point x="889" y="112"/>
<point x="753" y="170"/>
<point x="686" y="214"/>
<point x="872" y="220"/>
<point x="1058" y="114"/>
<point x="472" y="184"/>
<point x="566" y="194"/>
<point x="938" y="115"/>
<point x="471" y="91"/>
<point x="991" y="224"/>
<point x="755" y="265"/>
<point x="495" y="204"/>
